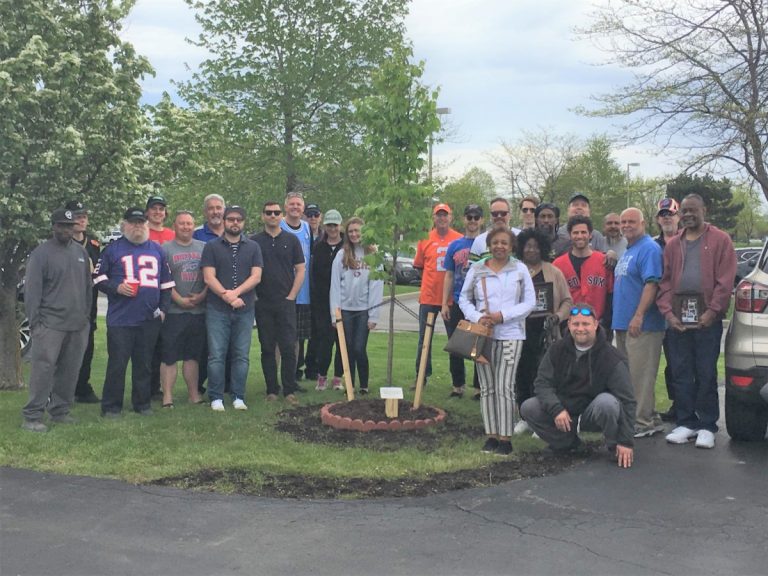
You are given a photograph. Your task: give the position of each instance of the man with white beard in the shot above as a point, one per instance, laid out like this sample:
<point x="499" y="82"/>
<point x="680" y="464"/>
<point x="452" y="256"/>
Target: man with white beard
<point x="133" y="273"/>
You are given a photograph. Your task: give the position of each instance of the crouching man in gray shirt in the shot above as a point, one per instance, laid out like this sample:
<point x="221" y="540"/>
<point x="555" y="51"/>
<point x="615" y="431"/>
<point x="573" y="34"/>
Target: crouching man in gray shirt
<point x="57" y="296"/>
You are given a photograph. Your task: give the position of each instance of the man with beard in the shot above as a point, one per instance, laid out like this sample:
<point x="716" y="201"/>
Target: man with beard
<point x="58" y="304"/>
<point x="612" y="231"/>
<point x="213" y="227"/>
<point x="84" y="391"/>
<point x="578" y="205"/>
<point x="134" y="275"/>
<point x="548" y="221"/>
<point x="232" y="268"/>
<point x="501" y="215"/>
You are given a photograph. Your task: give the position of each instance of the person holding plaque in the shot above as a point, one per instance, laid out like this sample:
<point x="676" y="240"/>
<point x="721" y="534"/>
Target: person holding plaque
<point x="552" y="305"/>
<point x="694" y="295"/>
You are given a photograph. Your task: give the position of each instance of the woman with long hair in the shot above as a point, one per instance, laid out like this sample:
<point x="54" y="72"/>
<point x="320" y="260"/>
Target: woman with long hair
<point x="498" y="293"/>
<point x="358" y="296"/>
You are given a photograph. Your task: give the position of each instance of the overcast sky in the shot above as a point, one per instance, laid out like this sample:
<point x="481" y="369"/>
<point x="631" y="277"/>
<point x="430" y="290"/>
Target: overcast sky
<point x="502" y="66"/>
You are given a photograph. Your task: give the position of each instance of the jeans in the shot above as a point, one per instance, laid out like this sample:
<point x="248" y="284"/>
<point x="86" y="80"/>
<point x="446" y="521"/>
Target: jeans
<point x="425" y="309"/>
<point x="325" y="338"/>
<point x="277" y="327"/>
<point x="137" y="344"/>
<point x="693" y="358"/>
<point x="356" y="334"/>
<point x="229" y="336"/>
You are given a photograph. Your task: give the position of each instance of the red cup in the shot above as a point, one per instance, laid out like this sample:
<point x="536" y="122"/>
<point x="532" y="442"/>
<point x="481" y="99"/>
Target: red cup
<point x="133" y="285"/>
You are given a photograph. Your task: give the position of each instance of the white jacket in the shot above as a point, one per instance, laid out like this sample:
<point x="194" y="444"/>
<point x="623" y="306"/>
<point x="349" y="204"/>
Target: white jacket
<point x="510" y="291"/>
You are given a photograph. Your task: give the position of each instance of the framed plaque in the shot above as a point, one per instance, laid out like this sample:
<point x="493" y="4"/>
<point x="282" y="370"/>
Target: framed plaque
<point x="688" y="307"/>
<point x="545" y="299"/>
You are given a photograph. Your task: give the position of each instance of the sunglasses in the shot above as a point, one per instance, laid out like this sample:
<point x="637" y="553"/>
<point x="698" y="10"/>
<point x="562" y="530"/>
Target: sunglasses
<point x="473" y="217"/>
<point x="666" y="214"/>
<point x="187" y="212"/>
<point x="528" y="210"/>
<point x="273" y="212"/>
<point x="582" y="311"/>
<point x="234" y="219"/>
<point x="500" y="213"/>
<point x="313" y="215"/>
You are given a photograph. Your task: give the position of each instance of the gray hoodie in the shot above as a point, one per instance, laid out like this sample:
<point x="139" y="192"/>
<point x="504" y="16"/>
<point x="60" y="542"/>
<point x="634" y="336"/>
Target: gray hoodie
<point x="351" y="289"/>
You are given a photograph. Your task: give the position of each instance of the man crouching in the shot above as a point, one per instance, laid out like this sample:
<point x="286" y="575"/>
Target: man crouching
<point x="583" y="379"/>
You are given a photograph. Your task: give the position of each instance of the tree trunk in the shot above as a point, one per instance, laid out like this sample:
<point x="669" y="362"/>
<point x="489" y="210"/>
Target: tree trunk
<point x="10" y="355"/>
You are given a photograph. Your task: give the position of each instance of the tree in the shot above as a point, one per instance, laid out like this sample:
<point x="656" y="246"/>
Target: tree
<point x="69" y="91"/>
<point x="476" y="186"/>
<point x="534" y="163"/>
<point x="717" y="196"/>
<point x="290" y="70"/>
<point x="699" y="83"/>
<point x="751" y="214"/>
<point x="399" y="119"/>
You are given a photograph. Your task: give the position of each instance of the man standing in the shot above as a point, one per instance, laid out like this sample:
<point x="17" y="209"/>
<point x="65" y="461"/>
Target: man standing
<point x="157" y="211"/>
<point x="613" y="239"/>
<point x="293" y="223"/>
<point x="284" y="269"/>
<point x="84" y="391"/>
<point x="501" y="215"/>
<point x="213" y="227"/>
<point x="430" y="258"/>
<point x="583" y="384"/>
<point x="58" y="302"/>
<point x="134" y="275"/>
<point x="694" y="296"/>
<point x="637" y="321"/>
<point x="548" y="221"/>
<point x="232" y="268"/>
<point x="315" y="219"/>
<point x="528" y="212"/>
<point x="578" y="205"/>
<point x="457" y="263"/>
<point x="183" y="331"/>
<point x="323" y="334"/>
<point x="588" y="278"/>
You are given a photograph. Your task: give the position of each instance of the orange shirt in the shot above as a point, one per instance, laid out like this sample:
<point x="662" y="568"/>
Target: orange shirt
<point x="430" y="254"/>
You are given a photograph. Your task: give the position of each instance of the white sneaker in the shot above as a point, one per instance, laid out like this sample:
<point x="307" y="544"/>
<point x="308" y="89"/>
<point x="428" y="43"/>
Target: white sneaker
<point x="238" y="404"/>
<point x="681" y="435"/>
<point x="521" y="427"/>
<point x="217" y="406"/>
<point x="705" y="439"/>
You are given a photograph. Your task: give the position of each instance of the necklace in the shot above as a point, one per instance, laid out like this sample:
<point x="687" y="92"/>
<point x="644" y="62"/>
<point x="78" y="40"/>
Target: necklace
<point x="533" y="270"/>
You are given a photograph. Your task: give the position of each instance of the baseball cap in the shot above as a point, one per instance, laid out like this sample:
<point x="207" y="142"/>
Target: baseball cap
<point x="157" y="199"/>
<point x="62" y="216"/>
<point x="443" y="207"/>
<point x="473" y="209"/>
<point x="76" y="207"/>
<point x="668" y="205"/>
<point x="311" y="209"/>
<point x="134" y="213"/>
<point x="332" y="217"/>
<point x="239" y="209"/>
<point x="578" y="196"/>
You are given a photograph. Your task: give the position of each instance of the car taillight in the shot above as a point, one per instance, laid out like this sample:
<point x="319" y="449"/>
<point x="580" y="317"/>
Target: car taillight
<point x="751" y="296"/>
<point x="742" y="381"/>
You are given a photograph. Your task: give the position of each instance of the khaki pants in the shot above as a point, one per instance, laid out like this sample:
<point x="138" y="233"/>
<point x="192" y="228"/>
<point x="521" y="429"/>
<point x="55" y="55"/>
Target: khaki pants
<point x="644" y="353"/>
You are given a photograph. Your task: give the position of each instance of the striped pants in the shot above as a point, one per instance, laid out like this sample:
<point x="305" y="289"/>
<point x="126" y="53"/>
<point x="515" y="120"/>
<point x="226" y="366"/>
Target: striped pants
<point x="497" y="387"/>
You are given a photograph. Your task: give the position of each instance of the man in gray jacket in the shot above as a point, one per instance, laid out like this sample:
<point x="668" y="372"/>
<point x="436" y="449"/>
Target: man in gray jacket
<point x="57" y="296"/>
<point x="583" y="383"/>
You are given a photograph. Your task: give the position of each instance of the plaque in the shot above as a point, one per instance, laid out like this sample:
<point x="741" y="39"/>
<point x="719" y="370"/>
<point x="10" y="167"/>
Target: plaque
<point x="545" y="299"/>
<point x="688" y="307"/>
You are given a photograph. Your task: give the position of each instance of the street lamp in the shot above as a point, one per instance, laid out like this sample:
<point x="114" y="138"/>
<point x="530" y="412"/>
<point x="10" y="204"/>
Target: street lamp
<point x="630" y="165"/>
<point x="439" y="112"/>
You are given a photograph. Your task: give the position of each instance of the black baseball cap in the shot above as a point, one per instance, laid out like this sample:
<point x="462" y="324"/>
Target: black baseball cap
<point x="62" y="216"/>
<point x="578" y="196"/>
<point x="157" y="199"/>
<point x="133" y="214"/>
<point x="312" y="209"/>
<point x="473" y="210"/>
<point x="76" y="206"/>
<point x="239" y="209"/>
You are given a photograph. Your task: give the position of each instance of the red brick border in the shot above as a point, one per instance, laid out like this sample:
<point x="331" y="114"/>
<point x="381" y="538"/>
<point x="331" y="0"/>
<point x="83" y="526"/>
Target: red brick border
<point x="344" y="423"/>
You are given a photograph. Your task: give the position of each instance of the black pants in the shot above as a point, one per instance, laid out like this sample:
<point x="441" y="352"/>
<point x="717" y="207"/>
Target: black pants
<point x="276" y="322"/>
<point x="456" y="363"/>
<point x="530" y="357"/>
<point x="325" y="338"/>
<point x="84" y="387"/>
<point x="135" y="344"/>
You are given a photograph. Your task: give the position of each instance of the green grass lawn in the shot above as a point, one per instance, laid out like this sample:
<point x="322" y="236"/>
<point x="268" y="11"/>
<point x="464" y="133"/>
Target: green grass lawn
<point x="192" y="437"/>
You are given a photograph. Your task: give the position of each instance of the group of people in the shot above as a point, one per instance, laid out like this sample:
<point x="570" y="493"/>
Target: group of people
<point x="556" y="297"/>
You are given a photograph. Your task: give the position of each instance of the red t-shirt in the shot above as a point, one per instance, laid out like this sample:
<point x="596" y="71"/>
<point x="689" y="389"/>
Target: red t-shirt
<point x="430" y="254"/>
<point x="161" y="236"/>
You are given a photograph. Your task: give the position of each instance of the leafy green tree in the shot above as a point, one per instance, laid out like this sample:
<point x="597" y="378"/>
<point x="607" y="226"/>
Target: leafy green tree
<point x="722" y="211"/>
<point x="476" y="186"/>
<point x="751" y="214"/>
<point x="289" y="72"/>
<point x="399" y="118"/>
<point x="69" y="126"/>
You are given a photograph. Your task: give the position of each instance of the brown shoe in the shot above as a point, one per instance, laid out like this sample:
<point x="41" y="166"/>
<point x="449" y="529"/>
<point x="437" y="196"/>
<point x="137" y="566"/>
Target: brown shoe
<point x="271" y="397"/>
<point x="292" y="400"/>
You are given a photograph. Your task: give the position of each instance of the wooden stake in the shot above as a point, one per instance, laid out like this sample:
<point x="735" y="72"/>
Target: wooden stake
<point x="344" y="356"/>
<point x="424" y="355"/>
<point x="390" y="407"/>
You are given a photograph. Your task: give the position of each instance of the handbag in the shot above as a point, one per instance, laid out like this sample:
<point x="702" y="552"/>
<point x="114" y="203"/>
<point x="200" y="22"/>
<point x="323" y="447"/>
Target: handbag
<point x="470" y="340"/>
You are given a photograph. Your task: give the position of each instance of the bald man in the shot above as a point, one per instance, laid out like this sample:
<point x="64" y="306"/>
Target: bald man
<point x="637" y="321"/>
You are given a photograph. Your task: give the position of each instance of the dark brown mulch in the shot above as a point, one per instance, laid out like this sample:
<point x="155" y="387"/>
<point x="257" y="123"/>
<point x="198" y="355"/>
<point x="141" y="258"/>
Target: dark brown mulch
<point x="374" y="410"/>
<point x="304" y="425"/>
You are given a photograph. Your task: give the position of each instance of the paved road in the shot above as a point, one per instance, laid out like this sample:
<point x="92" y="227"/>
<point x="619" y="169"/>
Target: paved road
<point x="678" y="511"/>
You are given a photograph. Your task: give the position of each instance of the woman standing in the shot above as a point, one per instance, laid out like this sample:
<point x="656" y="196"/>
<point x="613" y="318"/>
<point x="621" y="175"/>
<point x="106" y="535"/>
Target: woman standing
<point x="357" y="296"/>
<point x="498" y="292"/>
<point x="533" y="248"/>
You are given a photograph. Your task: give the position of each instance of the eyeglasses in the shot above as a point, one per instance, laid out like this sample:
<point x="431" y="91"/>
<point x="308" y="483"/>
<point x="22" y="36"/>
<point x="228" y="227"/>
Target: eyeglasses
<point x="500" y="213"/>
<point x="314" y="215"/>
<point x="666" y="214"/>
<point x="273" y="212"/>
<point x="473" y="217"/>
<point x="582" y="311"/>
<point x="527" y="210"/>
<point x="234" y="219"/>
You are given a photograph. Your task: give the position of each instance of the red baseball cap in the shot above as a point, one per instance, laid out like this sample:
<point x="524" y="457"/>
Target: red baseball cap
<point x="443" y="207"/>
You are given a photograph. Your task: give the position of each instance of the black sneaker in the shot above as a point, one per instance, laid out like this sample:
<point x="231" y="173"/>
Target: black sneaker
<point x="491" y="445"/>
<point x="669" y="415"/>
<point x="504" y="448"/>
<point x="87" y="398"/>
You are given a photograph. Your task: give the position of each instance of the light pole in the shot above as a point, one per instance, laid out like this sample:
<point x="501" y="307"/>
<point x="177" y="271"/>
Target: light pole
<point x="439" y="112"/>
<point x="630" y="165"/>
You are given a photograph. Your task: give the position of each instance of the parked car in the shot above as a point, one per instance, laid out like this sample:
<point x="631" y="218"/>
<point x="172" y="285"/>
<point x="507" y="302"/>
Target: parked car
<point x="109" y="236"/>
<point x="744" y="268"/>
<point x="405" y="273"/>
<point x="746" y="356"/>
<point x="746" y="254"/>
